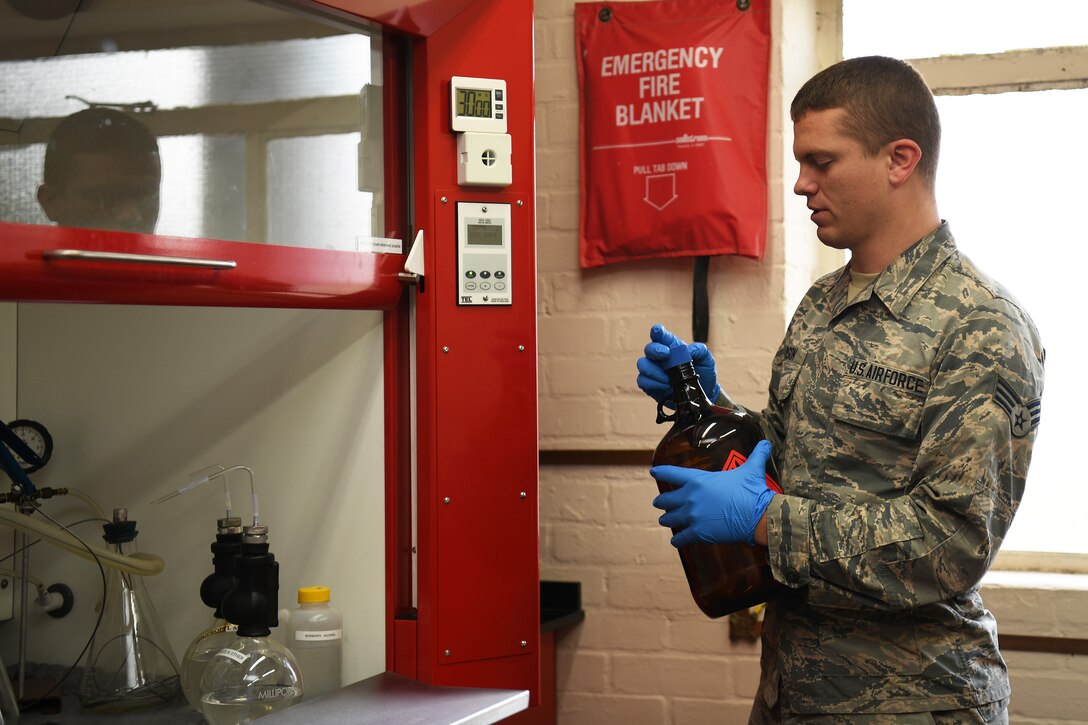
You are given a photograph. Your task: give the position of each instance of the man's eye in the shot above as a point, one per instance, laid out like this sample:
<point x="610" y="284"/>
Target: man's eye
<point x="821" y="163"/>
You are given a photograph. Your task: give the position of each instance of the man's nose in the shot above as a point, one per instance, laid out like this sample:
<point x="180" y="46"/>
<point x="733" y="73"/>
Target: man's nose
<point x="803" y="186"/>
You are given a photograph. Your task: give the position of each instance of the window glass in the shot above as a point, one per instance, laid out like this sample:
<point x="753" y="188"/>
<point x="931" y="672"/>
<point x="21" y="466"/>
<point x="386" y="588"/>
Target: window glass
<point x="302" y="197"/>
<point x="930" y="28"/>
<point x="221" y="120"/>
<point x="1009" y="186"/>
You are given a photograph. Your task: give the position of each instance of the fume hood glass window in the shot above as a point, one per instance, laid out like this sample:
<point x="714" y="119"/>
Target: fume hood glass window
<point x="294" y="183"/>
<point x="224" y="120"/>
<point x="1010" y="185"/>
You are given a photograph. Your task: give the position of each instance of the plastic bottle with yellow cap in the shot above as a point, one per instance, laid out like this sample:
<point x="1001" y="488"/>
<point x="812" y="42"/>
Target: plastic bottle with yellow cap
<point x="314" y="636"/>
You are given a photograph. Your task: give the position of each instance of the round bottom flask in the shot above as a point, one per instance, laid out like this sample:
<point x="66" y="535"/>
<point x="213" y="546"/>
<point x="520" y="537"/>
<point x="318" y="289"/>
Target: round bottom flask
<point x="248" y="679"/>
<point x="219" y="635"/>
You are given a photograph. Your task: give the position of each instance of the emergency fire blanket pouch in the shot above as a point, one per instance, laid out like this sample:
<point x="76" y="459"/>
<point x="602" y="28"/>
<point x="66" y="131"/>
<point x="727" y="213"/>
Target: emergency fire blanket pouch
<point x="673" y="128"/>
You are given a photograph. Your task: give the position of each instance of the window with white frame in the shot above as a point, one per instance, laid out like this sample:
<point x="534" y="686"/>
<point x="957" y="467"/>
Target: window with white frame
<point x="1011" y="80"/>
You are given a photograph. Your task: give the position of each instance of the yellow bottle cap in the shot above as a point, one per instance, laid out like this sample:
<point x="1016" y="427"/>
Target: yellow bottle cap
<point x="309" y="595"/>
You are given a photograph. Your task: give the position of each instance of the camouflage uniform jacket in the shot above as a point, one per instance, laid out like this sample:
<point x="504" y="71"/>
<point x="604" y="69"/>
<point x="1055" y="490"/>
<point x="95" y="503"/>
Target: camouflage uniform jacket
<point x="902" y="427"/>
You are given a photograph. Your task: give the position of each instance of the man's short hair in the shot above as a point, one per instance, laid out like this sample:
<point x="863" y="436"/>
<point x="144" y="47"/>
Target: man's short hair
<point x="98" y="131"/>
<point x="885" y="99"/>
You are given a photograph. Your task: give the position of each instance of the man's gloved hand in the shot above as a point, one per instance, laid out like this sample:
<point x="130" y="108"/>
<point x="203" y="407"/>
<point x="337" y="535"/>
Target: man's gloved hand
<point x="721" y="507"/>
<point x="652" y="378"/>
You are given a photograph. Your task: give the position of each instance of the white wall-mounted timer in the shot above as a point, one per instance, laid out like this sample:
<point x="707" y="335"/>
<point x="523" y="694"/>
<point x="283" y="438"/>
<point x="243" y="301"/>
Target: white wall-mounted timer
<point x="478" y="109"/>
<point x="477" y="104"/>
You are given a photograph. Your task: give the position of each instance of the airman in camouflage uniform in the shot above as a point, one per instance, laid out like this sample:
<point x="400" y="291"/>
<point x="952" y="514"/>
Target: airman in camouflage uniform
<point x="902" y="425"/>
<point x="904" y="403"/>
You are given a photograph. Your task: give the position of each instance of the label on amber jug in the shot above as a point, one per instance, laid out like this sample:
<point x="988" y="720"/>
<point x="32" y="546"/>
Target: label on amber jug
<point x="735" y="459"/>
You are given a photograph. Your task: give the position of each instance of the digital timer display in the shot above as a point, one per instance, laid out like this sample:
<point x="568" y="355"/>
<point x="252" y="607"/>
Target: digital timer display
<point x="473" y="102"/>
<point x="484" y="234"/>
<point x="477" y="105"/>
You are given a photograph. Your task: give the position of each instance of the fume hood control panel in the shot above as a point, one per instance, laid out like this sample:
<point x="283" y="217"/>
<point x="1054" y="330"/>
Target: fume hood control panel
<point x="478" y="113"/>
<point x="483" y="254"/>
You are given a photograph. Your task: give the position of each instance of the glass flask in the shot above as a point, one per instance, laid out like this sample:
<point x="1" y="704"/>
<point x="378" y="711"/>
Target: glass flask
<point x="253" y="675"/>
<point x="129" y="663"/>
<point x="220" y="633"/>
<point x="250" y="678"/>
<point x="723" y="578"/>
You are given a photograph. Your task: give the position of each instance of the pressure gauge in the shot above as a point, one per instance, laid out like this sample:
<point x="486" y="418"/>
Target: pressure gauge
<point x="37" y="438"/>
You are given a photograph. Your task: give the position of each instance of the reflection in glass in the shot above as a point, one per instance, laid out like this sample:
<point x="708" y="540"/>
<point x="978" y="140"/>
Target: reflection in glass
<point x="258" y="119"/>
<point x="101" y="171"/>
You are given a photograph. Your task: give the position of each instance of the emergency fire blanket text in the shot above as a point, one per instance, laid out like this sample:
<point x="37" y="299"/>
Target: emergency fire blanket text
<point x="673" y="129"/>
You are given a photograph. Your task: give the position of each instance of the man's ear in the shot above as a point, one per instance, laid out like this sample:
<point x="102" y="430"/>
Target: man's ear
<point x="48" y="199"/>
<point x="903" y="158"/>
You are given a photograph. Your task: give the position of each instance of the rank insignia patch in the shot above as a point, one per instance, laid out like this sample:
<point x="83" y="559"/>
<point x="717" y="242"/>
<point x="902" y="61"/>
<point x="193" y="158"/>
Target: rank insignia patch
<point x="1023" y="417"/>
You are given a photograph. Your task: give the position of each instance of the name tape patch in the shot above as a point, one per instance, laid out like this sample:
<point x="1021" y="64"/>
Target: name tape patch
<point x="888" y="376"/>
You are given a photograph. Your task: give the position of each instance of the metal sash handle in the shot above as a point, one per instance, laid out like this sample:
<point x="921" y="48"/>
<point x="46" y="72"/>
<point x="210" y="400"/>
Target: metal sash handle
<point x="86" y="256"/>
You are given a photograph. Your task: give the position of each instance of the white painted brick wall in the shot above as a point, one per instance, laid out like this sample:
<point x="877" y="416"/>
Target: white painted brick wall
<point x="644" y="653"/>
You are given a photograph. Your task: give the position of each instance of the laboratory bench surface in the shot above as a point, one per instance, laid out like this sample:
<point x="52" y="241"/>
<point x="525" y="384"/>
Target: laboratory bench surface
<point x="384" y="698"/>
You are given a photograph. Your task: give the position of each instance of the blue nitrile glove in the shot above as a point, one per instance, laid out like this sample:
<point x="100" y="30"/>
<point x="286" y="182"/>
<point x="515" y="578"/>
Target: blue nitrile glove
<point x="715" y="507"/>
<point x="652" y="378"/>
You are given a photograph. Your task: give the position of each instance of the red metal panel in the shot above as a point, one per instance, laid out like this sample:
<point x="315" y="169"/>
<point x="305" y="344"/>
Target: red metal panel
<point x="547" y="712"/>
<point x="418" y="17"/>
<point x="486" y="407"/>
<point x="477" y="404"/>
<point x="265" y="276"/>
<point x="404" y="659"/>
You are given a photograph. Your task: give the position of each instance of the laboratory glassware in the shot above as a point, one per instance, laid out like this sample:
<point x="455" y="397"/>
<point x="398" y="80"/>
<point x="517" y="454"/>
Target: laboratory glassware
<point x="253" y="675"/>
<point x="129" y="662"/>
<point x="723" y="578"/>
<point x="314" y="635"/>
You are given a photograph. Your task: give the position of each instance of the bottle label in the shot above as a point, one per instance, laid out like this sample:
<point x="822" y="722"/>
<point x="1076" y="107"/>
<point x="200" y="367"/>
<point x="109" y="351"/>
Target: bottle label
<point x="735" y="459"/>
<point x="232" y="654"/>
<point x="319" y="635"/>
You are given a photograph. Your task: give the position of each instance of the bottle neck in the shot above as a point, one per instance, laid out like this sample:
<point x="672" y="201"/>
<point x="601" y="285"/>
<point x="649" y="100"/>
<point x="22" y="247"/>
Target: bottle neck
<point x="688" y="395"/>
<point x="125" y="548"/>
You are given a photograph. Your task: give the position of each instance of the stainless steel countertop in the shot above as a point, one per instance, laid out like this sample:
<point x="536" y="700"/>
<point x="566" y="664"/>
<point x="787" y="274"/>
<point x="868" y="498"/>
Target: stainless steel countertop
<point x="391" y="698"/>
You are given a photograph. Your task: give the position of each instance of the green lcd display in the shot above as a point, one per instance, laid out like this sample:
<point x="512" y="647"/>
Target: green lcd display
<point x="474" y="102"/>
<point x="484" y="234"/>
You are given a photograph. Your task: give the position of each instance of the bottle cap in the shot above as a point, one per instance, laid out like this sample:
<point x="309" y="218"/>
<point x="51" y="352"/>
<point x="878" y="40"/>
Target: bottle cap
<point x="678" y="356"/>
<point x="309" y="595"/>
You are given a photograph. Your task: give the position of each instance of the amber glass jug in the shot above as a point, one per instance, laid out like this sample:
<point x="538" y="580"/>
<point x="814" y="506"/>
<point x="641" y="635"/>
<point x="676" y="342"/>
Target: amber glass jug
<point x="724" y="578"/>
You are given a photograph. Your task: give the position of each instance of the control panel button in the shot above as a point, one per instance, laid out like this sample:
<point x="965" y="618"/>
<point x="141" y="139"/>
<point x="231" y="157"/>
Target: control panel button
<point x="485" y="274"/>
<point x="500" y="286"/>
<point x="500" y="274"/>
<point x="470" y="274"/>
<point x="485" y="285"/>
<point x="470" y="285"/>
